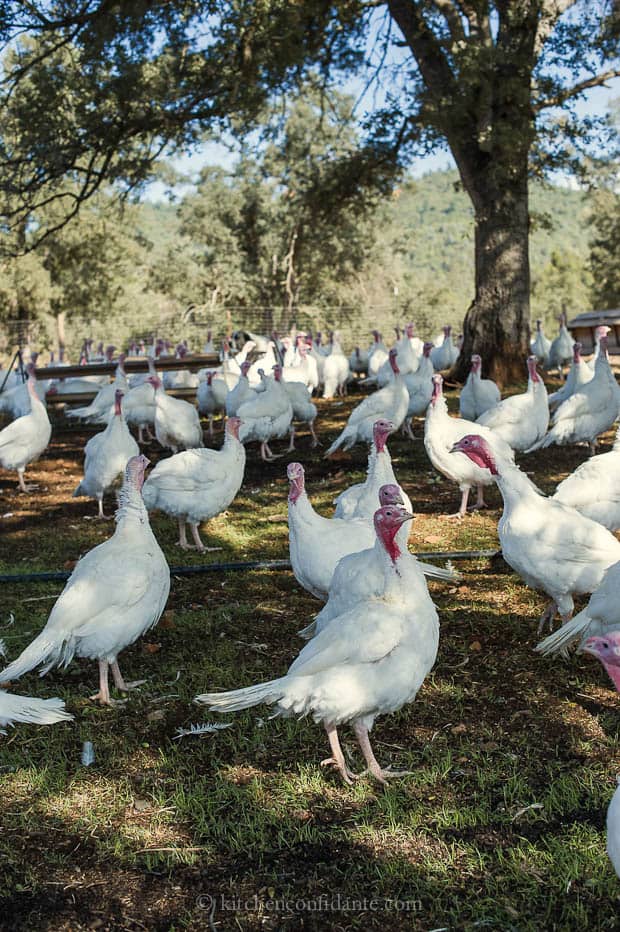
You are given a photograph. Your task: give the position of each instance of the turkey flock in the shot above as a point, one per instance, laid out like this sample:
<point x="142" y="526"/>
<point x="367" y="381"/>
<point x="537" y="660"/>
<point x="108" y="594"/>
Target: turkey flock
<point x="376" y="637"/>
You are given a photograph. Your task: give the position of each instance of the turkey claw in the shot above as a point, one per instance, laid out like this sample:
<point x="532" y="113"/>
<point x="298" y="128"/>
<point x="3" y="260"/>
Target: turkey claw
<point x="347" y="775"/>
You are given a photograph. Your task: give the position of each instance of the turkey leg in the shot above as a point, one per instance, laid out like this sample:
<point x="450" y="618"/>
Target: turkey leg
<point x="463" y="506"/>
<point x="373" y="765"/>
<point x="200" y="547"/>
<point x="547" y="617"/>
<point x="480" y="502"/>
<point x="101" y="513"/>
<point x="22" y="485"/>
<point x="337" y="758"/>
<point x="104" y="690"/>
<point x="315" y="440"/>
<point x="119" y="681"/>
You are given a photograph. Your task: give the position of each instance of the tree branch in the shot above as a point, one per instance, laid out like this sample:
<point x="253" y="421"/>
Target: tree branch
<point x="431" y="60"/>
<point x="562" y="96"/>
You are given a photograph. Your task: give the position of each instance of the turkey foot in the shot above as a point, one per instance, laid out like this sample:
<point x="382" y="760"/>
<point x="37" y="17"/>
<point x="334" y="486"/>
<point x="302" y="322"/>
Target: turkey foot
<point x="200" y="547"/>
<point x="182" y="541"/>
<point x="480" y="502"/>
<point x="22" y="485"/>
<point x="315" y="440"/>
<point x="119" y="681"/>
<point x="547" y="617"/>
<point x="266" y="453"/>
<point x="103" y="696"/>
<point x="374" y="766"/>
<point x="291" y="445"/>
<point x="463" y="507"/>
<point x="101" y="514"/>
<point x="337" y="758"/>
<point x="407" y="431"/>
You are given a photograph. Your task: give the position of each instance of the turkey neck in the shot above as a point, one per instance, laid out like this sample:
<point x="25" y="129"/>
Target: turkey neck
<point x="131" y="513"/>
<point x="515" y="486"/>
<point x="614" y="674"/>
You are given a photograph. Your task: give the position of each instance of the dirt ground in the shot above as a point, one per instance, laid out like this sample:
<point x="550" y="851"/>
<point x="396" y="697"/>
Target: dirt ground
<point x="513" y="757"/>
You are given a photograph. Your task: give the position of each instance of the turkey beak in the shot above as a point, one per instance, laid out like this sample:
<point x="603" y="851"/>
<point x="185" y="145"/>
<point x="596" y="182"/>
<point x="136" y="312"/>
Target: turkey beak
<point x="456" y="448"/>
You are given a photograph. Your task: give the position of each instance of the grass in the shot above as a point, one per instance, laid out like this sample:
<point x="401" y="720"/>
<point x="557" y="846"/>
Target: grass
<point x="513" y="757"/>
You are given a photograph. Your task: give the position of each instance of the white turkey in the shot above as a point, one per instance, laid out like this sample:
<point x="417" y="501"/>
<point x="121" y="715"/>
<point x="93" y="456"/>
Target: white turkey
<point x="551" y="546"/>
<point x="540" y="345"/>
<point x="102" y="405"/>
<point x="478" y="394"/>
<point x="420" y="387"/>
<point x="594" y="488"/>
<point x="389" y="403"/>
<point x="196" y="485"/>
<point x="358" y="361"/>
<point x="236" y="396"/>
<point x="521" y="420"/>
<point x="369" y="661"/>
<point x="211" y="397"/>
<point x="180" y="378"/>
<point x="613" y="826"/>
<point x="116" y="593"/>
<point x="444" y="356"/>
<point x="409" y="349"/>
<point x="317" y="543"/>
<point x="177" y="422"/>
<point x="589" y="412"/>
<point x="15" y="402"/>
<point x="359" y="576"/>
<point x="25" y="709"/>
<point x="599" y="619"/>
<point x="304" y="411"/>
<point x="561" y="349"/>
<point x="441" y="433"/>
<point x="107" y="455"/>
<point x="24" y="439"/>
<point x="377" y="355"/>
<point x="305" y="368"/>
<point x="336" y="370"/>
<point x="600" y="331"/>
<point x="266" y="416"/>
<point x="360" y="500"/>
<point x="139" y="405"/>
<point x="578" y="374"/>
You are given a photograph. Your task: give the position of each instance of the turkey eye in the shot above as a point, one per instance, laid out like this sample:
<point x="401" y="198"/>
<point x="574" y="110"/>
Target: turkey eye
<point x="605" y="645"/>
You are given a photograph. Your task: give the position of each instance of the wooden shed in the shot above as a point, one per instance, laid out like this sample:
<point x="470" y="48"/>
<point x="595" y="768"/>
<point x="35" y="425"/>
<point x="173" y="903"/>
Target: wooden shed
<point x="583" y="326"/>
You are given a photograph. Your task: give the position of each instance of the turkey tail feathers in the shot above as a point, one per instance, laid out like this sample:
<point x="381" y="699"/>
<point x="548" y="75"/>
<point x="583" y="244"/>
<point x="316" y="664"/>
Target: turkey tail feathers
<point x="43" y="650"/>
<point x="449" y="572"/>
<point x="237" y="699"/>
<point x="25" y="709"/>
<point x="309" y="631"/>
<point x="345" y="439"/>
<point x="560" y="640"/>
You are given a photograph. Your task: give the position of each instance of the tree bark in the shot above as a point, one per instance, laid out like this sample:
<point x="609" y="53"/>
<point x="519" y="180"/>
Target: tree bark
<point x="60" y="328"/>
<point x="496" y="325"/>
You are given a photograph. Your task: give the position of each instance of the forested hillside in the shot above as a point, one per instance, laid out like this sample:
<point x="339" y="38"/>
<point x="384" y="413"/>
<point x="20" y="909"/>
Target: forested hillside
<point x="411" y="259"/>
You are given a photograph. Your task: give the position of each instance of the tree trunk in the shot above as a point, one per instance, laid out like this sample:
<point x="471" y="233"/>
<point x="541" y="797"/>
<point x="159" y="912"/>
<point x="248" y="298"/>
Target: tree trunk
<point x="496" y="325"/>
<point x="60" y="328"/>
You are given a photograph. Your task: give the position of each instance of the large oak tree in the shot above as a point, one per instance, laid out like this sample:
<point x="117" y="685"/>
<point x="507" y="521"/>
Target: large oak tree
<point x="95" y="90"/>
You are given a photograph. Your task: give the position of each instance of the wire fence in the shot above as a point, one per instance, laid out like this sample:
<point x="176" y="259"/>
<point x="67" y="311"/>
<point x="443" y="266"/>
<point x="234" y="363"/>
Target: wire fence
<point x="353" y="323"/>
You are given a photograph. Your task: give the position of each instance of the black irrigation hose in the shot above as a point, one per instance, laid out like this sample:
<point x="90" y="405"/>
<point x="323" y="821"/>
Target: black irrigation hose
<point x="61" y="575"/>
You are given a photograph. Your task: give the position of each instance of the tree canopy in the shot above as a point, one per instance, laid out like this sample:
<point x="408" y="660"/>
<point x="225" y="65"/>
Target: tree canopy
<point x="94" y="93"/>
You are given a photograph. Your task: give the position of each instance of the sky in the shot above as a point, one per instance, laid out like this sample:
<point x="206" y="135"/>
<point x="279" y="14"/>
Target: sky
<point x="369" y="97"/>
